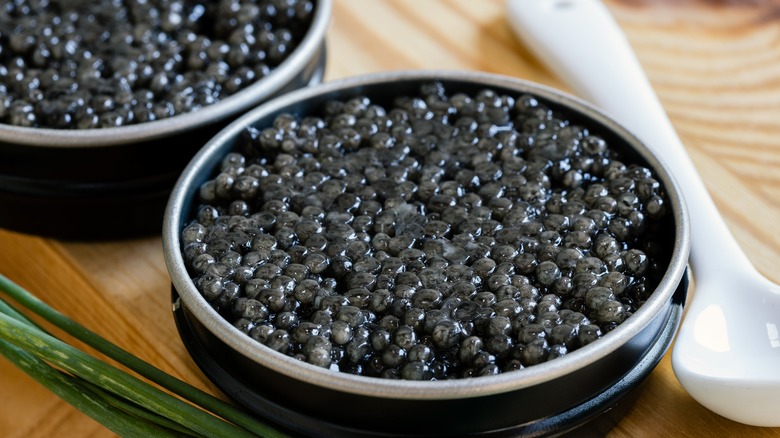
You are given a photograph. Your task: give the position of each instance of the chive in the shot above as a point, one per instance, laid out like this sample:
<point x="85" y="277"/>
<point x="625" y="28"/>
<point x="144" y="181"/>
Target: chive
<point x="183" y="389"/>
<point x="76" y="389"/>
<point x="112" y="379"/>
<point x="12" y="312"/>
<point x="132" y="408"/>
<point x="68" y="389"/>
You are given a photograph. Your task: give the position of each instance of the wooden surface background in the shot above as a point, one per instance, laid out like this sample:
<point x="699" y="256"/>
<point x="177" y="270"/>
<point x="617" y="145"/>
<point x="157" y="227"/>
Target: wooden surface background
<point x="715" y="65"/>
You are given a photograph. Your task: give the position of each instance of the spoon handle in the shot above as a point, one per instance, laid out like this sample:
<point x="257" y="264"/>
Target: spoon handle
<point x="580" y="41"/>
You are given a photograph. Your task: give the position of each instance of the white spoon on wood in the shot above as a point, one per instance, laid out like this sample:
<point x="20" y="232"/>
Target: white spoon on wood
<point x="727" y="352"/>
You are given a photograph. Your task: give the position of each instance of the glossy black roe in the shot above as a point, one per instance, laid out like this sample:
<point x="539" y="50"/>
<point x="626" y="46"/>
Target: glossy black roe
<point x="106" y="63"/>
<point x="433" y="237"/>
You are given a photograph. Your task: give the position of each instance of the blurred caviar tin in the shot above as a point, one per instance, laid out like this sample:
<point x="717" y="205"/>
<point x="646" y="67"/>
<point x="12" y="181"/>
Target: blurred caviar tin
<point x="113" y="182"/>
<point x="551" y="398"/>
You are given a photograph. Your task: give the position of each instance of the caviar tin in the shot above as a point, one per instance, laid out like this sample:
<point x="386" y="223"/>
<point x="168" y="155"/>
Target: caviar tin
<point x="587" y="388"/>
<point x="114" y="182"/>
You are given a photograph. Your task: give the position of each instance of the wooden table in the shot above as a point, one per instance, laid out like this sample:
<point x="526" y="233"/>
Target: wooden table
<point x="715" y="68"/>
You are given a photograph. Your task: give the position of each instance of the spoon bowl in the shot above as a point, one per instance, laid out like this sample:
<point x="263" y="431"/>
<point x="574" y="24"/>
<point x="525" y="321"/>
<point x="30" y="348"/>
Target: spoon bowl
<point x="727" y="352"/>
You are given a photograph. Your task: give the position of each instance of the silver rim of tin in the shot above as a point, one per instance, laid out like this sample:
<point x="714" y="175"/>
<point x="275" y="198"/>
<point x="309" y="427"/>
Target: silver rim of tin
<point x="286" y="72"/>
<point x="414" y="390"/>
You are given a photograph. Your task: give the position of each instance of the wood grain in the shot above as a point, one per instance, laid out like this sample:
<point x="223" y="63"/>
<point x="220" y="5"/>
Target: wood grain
<point x="714" y="64"/>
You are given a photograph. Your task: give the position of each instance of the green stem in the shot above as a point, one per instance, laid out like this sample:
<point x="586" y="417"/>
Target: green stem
<point x="112" y="379"/>
<point x="67" y="389"/>
<point x="59" y="381"/>
<point x="12" y="312"/>
<point x="195" y="395"/>
<point x="132" y="409"/>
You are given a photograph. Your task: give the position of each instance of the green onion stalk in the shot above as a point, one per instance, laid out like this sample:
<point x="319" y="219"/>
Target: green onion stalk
<point x="120" y="401"/>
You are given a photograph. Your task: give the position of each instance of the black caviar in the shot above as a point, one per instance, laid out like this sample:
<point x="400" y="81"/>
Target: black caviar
<point x="442" y="236"/>
<point x="79" y="64"/>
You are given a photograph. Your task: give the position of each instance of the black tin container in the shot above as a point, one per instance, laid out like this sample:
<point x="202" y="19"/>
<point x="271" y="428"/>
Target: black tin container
<point x="546" y="399"/>
<point x="114" y="182"/>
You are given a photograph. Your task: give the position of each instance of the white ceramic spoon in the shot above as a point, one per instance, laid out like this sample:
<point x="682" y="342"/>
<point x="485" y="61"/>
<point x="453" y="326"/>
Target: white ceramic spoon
<point x="727" y="352"/>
